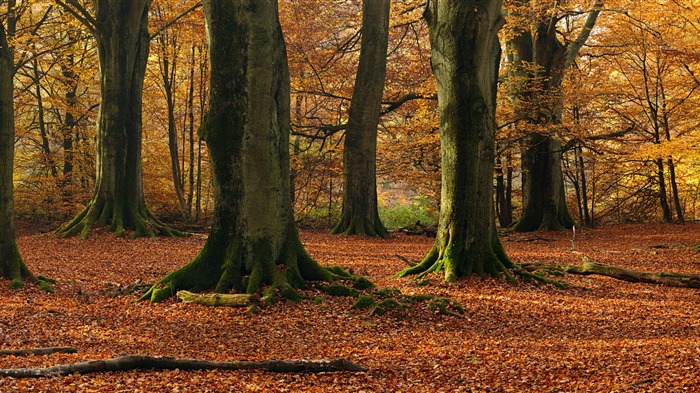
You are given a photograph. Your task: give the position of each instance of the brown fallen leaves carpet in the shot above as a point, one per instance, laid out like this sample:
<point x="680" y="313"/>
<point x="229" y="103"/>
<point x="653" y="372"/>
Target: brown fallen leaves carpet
<point x="610" y="336"/>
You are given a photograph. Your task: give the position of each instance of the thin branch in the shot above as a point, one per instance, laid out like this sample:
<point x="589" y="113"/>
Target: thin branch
<point x="575" y="46"/>
<point x="175" y="20"/>
<point x="81" y="14"/>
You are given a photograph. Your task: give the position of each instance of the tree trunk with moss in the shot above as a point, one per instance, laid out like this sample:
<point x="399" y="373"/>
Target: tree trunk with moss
<point x="11" y="265"/>
<point x="542" y="59"/>
<point x="360" y="215"/>
<point x="465" y="60"/>
<point x="253" y="240"/>
<point x="120" y="28"/>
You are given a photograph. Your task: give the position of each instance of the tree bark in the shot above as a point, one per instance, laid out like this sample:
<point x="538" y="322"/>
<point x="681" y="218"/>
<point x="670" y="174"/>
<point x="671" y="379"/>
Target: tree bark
<point x="142" y="362"/>
<point x="672" y="279"/>
<point x="360" y="215"/>
<point x="465" y="60"/>
<point x="253" y="240"/>
<point x="121" y="31"/>
<point x="11" y="265"/>
<point x="544" y="198"/>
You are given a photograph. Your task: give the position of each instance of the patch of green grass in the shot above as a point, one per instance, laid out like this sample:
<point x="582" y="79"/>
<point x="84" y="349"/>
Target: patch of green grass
<point x="399" y="215"/>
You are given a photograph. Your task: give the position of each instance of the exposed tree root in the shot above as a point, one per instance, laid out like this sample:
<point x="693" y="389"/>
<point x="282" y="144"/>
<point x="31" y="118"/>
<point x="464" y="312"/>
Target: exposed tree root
<point x="121" y="220"/>
<point x="517" y="271"/>
<point x="457" y="262"/>
<point x="682" y="280"/>
<point x="37" y="351"/>
<point x="361" y="227"/>
<point x="141" y="362"/>
<point x="220" y="266"/>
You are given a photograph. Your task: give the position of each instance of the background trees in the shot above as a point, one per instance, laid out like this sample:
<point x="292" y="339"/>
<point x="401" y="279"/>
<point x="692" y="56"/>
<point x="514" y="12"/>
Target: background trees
<point x="608" y="151"/>
<point x="359" y="215"/>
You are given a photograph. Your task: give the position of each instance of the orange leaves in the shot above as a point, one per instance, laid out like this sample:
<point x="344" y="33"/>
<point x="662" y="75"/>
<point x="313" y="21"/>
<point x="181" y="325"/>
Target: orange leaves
<point x="522" y="338"/>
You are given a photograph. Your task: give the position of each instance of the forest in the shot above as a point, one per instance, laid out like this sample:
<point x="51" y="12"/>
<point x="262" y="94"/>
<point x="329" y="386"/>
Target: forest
<point x="356" y="195"/>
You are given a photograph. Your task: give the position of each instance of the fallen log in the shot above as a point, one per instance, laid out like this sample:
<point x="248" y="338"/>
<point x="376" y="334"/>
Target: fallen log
<point x="37" y="351"/>
<point x="216" y="299"/>
<point x="672" y="279"/>
<point x="143" y="362"/>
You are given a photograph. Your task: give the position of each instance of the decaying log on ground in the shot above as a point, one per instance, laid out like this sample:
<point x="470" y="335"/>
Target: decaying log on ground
<point x="217" y="299"/>
<point x="37" y="351"/>
<point x="142" y="362"/>
<point x="672" y="279"/>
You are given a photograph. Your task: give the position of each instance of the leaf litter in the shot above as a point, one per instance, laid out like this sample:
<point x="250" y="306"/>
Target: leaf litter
<point x="602" y="336"/>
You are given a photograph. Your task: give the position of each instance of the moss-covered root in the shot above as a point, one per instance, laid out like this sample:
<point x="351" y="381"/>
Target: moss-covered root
<point x="539" y="278"/>
<point x="274" y="279"/>
<point x="457" y="263"/>
<point x="16" y="271"/>
<point x="138" y="223"/>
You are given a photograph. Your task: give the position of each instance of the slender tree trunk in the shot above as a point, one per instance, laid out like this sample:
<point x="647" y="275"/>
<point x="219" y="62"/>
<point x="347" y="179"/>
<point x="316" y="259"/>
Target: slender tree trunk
<point x="168" y="70"/>
<point x="584" y="189"/>
<point x="70" y="80"/>
<point x="47" y="155"/>
<point x="360" y="215"/>
<point x="190" y="121"/>
<point x="503" y="209"/>
<point x="674" y="190"/>
<point x="11" y="264"/>
<point x="121" y="31"/>
<point x="663" y="195"/>
<point x="465" y="60"/>
<point x="253" y="239"/>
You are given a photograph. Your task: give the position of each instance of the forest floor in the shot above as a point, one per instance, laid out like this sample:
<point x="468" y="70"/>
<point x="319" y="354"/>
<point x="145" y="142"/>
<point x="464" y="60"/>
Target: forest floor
<point x="602" y="336"/>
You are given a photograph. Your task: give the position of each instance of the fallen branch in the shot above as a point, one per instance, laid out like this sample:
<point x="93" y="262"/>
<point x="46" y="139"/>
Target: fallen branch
<point x="37" y="351"/>
<point x="216" y="299"/>
<point x="142" y="362"/>
<point x="672" y="279"/>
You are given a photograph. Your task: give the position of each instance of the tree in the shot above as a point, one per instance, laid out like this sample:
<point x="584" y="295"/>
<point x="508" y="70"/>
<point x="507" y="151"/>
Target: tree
<point x="120" y="28"/>
<point x="360" y="215"/>
<point x="11" y="264"/>
<point x="253" y="240"/>
<point x="543" y="59"/>
<point x="465" y="60"/>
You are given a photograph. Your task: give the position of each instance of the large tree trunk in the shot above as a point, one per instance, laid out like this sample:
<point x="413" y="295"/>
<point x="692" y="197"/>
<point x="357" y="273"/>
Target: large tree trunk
<point x="121" y="31"/>
<point x="544" y="199"/>
<point x="360" y="215"/>
<point x="465" y="60"/>
<point x="11" y="264"/>
<point x="253" y="239"/>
